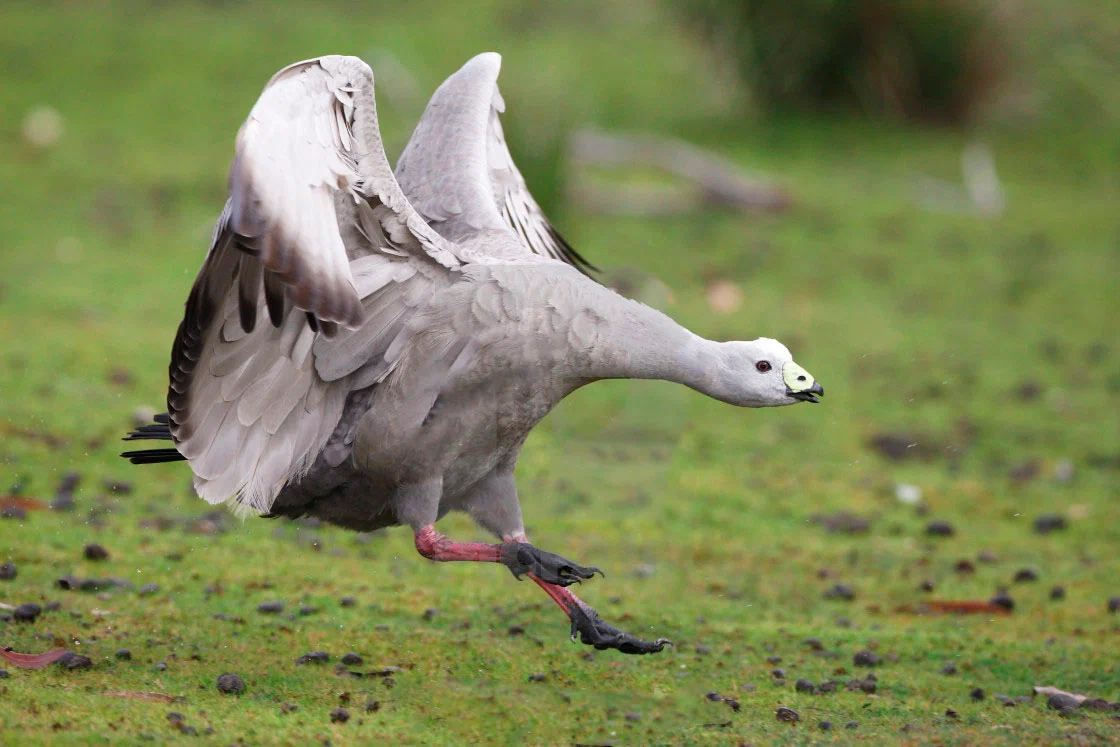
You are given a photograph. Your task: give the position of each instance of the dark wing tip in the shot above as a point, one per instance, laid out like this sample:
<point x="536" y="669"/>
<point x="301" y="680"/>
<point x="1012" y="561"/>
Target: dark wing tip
<point x="570" y="255"/>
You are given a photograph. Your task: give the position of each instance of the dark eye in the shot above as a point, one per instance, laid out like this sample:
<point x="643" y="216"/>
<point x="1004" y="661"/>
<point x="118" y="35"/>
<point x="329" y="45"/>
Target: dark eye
<point x="762" y="366"/>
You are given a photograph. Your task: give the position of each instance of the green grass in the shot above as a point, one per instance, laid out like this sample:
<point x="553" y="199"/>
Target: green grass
<point x="915" y="322"/>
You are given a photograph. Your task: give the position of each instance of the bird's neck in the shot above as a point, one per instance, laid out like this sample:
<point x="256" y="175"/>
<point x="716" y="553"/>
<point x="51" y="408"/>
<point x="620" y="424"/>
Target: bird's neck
<point x="637" y="342"/>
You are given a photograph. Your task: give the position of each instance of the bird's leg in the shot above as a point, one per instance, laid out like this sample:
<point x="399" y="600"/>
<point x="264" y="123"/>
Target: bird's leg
<point x="591" y="629"/>
<point x="586" y="623"/>
<point x="519" y="556"/>
<point x="435" y="546"/>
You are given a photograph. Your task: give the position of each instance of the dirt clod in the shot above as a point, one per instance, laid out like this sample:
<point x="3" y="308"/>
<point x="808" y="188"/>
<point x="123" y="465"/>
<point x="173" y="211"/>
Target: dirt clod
<point x="231" y="684"/>
<point x="95" y="551"/>
<point x="7" y="571"/>
<point x="949" y="669"/>
<point x="1049" y="523"/>
<point x="841" y="591"/>
<point x="787" y="715"/>
<point x="27" y="612"/>
<point x="1063" y="703"/>
<point x="825" y="726"/>
<point x="270" y="608"/>
<point x="72" y="661"/>
<point x="123" y="654"/>
<point x="340" y="716"/>
<point x="1025" y="575"/>
<point x="804" y="686"/>
<point x="866" y="658"/>
<point x="940" y="529"/>
<point x="351" y="659"/>
<point x="865" y="685"/>
<point x="317" y="657"/>
<point x="1003" y="599"/>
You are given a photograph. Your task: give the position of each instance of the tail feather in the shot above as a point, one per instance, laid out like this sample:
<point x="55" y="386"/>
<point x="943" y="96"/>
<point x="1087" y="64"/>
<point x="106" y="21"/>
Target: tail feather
<point x="157" y="431"/>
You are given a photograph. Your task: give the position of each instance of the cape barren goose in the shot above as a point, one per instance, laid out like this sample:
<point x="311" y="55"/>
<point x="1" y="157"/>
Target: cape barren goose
<point x="373" y="350"/>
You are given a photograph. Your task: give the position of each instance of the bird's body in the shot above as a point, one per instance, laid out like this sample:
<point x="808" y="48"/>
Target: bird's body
<point x="373" y="350"/>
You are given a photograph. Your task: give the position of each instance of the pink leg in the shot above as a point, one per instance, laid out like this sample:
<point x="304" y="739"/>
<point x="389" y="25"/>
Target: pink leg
<point x="434" y="546"/>
<point x="523" y="559"/>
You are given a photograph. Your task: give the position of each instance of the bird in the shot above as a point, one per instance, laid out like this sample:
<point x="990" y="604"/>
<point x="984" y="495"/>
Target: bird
<point x="372" y="347"/>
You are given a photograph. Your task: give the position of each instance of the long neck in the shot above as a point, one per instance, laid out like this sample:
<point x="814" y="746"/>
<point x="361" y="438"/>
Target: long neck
<point x="633" y="341"/>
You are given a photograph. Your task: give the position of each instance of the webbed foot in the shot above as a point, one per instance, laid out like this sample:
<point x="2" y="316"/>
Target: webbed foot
<point x="593" y="631"/>
<point x="522" y="558"/>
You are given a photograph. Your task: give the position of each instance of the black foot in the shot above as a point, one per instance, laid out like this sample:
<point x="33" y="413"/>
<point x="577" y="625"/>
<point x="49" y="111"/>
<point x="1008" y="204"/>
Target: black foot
<point x="594" y="632"/>
<point x="522" y="558"/>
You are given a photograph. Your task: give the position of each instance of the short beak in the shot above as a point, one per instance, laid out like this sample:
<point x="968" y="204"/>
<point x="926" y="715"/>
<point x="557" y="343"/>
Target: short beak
<point x="808" y="395"/>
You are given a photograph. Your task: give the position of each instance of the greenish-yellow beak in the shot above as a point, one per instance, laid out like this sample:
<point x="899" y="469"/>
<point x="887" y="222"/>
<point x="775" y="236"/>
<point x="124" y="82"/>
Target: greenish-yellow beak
<point x="800" y="384"/>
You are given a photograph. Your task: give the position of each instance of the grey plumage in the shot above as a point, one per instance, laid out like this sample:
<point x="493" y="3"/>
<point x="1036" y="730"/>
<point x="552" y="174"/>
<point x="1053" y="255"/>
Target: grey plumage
<point x="372" y="349"/>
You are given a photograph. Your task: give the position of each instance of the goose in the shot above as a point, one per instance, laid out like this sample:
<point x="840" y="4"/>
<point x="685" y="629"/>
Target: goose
<point x="372" y="348"/>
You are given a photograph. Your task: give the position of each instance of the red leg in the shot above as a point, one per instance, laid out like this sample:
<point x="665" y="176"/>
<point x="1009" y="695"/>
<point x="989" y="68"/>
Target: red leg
<point x="434" y="546"/>
<point x="524" y="559"/>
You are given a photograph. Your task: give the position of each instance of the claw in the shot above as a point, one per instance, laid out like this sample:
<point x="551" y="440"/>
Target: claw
<point x="522" y="558"/>
<point x="594" y="632"/>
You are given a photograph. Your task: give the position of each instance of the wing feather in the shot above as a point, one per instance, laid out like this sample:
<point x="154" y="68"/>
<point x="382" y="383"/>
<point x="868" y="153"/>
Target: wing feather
<point x="318" y="238"/>
<point x="458" y="172"/>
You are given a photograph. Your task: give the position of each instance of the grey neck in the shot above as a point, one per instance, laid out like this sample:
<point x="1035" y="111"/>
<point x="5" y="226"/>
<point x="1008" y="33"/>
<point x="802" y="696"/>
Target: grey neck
<point x="638" y="342"/>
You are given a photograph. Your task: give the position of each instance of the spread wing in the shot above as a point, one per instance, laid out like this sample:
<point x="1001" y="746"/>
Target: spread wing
<point x="316" y="234"/>
<point x="458" y="172"/>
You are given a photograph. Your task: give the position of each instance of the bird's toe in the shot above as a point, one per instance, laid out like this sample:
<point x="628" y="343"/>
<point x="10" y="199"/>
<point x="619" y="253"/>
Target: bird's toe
<point x="522" y="558"/>
<point x="593" y="631"/>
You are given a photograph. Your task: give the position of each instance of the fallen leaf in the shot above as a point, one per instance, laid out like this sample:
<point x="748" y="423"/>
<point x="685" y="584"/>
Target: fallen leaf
<point x="954" y="607"/>
<point x="1047" y="690"/>
<point x="33" y="661"/>
<point x="27" y="504"/>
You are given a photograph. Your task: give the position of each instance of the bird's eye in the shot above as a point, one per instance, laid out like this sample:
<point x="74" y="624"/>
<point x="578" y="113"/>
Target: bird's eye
<point x="762" y="366"/>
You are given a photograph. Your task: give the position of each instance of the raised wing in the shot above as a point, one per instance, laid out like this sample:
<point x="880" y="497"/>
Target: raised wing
<point x="316" y="233"/>
<point x="458" y="172"/>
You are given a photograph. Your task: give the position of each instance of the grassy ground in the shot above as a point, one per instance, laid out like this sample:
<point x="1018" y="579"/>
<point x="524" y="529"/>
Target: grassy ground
<point x="986" y="346"/>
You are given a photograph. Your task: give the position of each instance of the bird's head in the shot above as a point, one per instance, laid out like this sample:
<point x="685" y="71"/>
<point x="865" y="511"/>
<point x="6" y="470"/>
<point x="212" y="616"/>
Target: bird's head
<point x="762" y="373"/>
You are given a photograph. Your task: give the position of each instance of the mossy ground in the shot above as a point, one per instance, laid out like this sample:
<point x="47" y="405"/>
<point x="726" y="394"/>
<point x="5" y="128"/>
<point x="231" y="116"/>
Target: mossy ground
<point x="989" y="342"/>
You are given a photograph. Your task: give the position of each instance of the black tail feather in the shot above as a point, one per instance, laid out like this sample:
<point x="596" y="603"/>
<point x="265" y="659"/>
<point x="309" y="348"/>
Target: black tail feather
<point x="158" y="431"/>
<point x="153" y="456"/>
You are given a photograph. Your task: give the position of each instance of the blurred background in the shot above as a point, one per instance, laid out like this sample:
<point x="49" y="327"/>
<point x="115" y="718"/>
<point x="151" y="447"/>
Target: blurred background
<point x="921" y="199"/>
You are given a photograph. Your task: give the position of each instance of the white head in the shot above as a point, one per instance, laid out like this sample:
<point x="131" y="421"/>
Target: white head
<point x="761" y="373"/>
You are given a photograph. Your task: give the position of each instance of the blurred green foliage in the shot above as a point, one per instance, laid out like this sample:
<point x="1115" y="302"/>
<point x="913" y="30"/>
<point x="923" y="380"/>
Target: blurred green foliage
<point x="948" y="61"/>
<point x="917" y="59"/>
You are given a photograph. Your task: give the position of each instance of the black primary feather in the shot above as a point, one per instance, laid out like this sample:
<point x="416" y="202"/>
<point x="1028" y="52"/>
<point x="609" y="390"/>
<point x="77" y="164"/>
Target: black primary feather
<point x="157" y="431"/>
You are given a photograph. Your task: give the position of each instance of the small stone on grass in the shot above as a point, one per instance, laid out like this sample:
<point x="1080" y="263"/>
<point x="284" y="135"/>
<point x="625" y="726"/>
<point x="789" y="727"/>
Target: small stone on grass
<point x="866" y="658"/>
<point x="27" y="612"/>
<point x="787" y="715"/>
<point x="940" y="529"/>
<point x="231" y="684"/>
